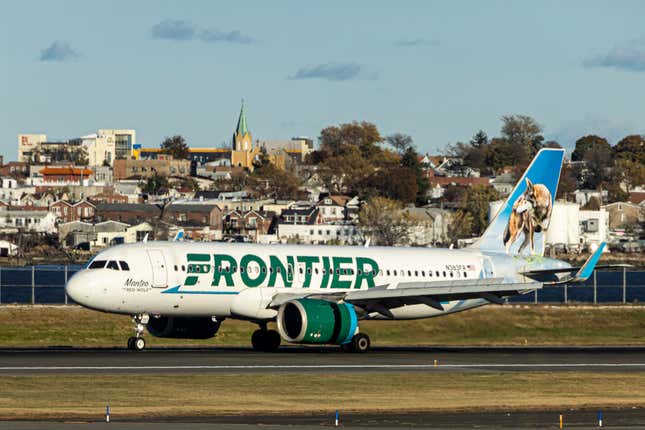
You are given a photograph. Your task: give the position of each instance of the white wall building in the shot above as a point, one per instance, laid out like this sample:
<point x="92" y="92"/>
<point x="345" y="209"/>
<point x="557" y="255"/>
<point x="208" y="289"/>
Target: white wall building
<point x="39" y="221"/>
<point x="28" y="144"/>
<point x="319" y="233"/>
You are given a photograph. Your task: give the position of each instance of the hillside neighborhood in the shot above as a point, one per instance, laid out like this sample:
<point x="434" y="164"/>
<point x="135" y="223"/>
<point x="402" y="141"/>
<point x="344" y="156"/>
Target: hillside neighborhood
<point x="78" y="195"/>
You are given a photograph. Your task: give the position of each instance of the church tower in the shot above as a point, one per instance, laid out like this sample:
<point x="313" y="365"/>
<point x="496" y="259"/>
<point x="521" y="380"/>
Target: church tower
<point x="242" y="138"/>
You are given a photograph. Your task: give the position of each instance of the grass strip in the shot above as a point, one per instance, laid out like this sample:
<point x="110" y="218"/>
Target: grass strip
<point x="33" y="326"/>
<point x="143" y="396"/>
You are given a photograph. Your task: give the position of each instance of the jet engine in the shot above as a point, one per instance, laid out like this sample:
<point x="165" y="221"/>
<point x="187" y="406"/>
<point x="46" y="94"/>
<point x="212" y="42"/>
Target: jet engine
<point x="182" y="327"/>
<point x="317" y="321"/>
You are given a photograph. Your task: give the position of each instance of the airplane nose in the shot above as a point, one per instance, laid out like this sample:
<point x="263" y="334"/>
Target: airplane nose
<point x="77" y="288"/>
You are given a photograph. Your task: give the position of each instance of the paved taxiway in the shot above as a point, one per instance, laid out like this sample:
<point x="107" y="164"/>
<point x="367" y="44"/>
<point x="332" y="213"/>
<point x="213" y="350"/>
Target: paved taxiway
<point x="580" y="419"/>
<point x="318" y="360"/>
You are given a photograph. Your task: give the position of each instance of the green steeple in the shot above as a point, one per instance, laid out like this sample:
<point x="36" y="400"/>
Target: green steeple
<point x="241" y="122"/>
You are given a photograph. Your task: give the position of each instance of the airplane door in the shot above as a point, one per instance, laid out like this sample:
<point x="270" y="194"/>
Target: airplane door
<point x="487" y="268"/>
<point x="158" y="265"/>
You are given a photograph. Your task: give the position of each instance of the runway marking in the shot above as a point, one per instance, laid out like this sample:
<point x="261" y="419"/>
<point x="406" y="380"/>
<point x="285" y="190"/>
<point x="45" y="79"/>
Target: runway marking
<point x="327" y="366"/>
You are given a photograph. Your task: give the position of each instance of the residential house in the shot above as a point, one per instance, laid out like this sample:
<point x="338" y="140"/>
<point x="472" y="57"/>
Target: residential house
<point x="109" y="195"/>
<point x="38" y="220"/>
<point x="250" y="223"/>
<point x="66" y="211"/>
<point x="101" y="234"/>
<point x="624" y="214"/>
<point x="504" y="183"/>
<point x="201" y="221"/>
<point x="127" y="213"/>
<point x="333" y="208"/>
<point x="430" y="225"/>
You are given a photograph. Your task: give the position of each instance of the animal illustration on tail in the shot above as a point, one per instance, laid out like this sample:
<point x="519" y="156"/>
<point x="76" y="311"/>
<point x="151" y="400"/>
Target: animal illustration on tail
<point x="531" y="213"/>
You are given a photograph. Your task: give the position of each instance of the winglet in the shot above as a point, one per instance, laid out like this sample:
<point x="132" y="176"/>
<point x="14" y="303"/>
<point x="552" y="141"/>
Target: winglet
<point x="587" y="269"/>
<point x="179" y="236"/>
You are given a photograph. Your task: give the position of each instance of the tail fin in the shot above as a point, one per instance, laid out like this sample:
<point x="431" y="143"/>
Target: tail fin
<point x="535" y="192"/>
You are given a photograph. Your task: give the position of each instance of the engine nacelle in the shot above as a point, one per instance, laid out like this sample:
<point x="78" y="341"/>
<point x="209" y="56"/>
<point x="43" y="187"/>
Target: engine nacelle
<point x="182" y="327"/>
<point x="317" y="321"/>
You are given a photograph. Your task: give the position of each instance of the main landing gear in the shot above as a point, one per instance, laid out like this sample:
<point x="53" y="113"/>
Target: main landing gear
<point x="359" y="343"/>
<point x="264" y="340"/>
<point x="137" y="342"/>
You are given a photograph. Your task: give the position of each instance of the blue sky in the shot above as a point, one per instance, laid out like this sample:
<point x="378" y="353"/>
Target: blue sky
<point x="438" y="71"/>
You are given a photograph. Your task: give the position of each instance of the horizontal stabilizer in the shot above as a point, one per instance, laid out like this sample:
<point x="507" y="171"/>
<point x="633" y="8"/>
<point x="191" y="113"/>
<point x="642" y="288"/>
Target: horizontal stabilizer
<point x="582" y="273"/>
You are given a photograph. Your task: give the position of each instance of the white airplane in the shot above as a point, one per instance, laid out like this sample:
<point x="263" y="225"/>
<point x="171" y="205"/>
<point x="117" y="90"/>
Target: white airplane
<point x="319" y="294"/>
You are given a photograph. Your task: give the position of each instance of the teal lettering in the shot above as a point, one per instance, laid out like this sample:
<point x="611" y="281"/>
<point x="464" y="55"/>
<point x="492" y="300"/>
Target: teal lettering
<point x="277" y="268"/>
<point x="309" y="261"/>
<point x="366" y="270"/>
<point x="325" y="278"/>
<point x="338" y="262"/>
<point x="196" y="263"/>
<point x="246" y="275"/>
<point x="223" y="272"/>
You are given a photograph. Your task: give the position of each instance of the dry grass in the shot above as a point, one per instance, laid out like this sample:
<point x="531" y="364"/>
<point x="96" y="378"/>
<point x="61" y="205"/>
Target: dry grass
<point x="490" y="325"/>
<point x="69" y="397"/>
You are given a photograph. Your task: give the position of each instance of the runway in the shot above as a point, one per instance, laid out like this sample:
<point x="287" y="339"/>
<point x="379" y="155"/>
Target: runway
<point x="169" y="361"/>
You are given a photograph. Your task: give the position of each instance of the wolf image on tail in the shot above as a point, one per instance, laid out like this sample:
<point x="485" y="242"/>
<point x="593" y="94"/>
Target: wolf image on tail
<point x="521" y="220"/>
<point x="531" y="214"/>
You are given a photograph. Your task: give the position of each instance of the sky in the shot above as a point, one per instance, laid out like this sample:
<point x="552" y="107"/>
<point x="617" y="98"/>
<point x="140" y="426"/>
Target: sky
<point x="438" y="71"/>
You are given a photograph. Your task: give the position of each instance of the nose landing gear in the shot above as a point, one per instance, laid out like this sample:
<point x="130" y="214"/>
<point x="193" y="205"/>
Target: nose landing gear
<point x="137" y="342"/>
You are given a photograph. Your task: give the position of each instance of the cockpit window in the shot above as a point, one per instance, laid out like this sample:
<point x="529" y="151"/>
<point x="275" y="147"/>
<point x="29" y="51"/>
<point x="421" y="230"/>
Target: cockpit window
<point x="97" y="264"/>
<point x="112" y="265"/>
<point x="124" y="265"/>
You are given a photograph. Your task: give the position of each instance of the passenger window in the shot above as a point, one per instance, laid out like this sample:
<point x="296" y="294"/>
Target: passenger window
<point x="394" y="272"/>
<point x="409" y="273"/>
<point x="387" y="272"/>
<point x="183" y="268"/>
<point x="451" y="273"/>
<point x="97" y="264"/>
<point x="175" y="267"/>
<point x="242" y="269"/>
<point x="112" y="265"/>
<point x="124" y="265"/>
<point x="437" y="273"/>
<point x="416" y="273"/>
<point x="444" y="273"/>
<point x="465" y="275"/>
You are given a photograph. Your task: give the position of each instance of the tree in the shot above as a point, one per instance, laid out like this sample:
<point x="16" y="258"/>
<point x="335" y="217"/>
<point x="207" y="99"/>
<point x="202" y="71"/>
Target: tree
<point x="479" y="140"/>
<point x="585" y="143"/>
<point x="363" y="136"/>
<point x="154" y="184"/>
<point x="384" y="222"/>
<point x="400" y="142"/>
<point x="272" y="181"/>
<point x="397" y="183"/>
<point x="461" y="226"/>
<point x="567" y="183"/>
<point x="410" y="160"/>
<point x="175" y="146"/>
<point x="523" y="132"/>
<point x="598" y="160"/>
<point x="631" y="148"/>
<point x="475" y="201"/>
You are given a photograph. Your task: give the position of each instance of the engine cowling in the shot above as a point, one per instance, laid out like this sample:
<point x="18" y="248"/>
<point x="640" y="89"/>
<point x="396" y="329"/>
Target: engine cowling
<point x="317" y="321"/>
<point x="182" y="327"/>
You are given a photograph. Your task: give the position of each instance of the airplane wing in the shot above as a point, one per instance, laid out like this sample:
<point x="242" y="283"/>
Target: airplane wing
<point x="381" y="299"/>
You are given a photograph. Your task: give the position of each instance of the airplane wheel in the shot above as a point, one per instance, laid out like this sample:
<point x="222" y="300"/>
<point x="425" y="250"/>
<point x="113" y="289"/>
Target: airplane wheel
<point x="360" y="343"/>
<point x="131" y="342"/>
<point x="265" y="340"/>
<point x="258" y="340"/>
<point x="139" y="344"/>
<point x="272" y="341"/>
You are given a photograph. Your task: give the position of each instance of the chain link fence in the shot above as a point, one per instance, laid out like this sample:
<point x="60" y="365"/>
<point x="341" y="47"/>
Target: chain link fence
<point x="46" y="285"/>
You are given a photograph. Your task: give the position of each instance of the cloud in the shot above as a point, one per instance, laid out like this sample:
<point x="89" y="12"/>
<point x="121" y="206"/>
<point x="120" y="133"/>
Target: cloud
<point x="59" y="51"/>
<point x="629" y="57"/>
<point x="406" y="43"/>
<point x="613" y="129"/>
<point x="329" y="71"/>
<point x="174" y="30"/>
<point x="181" y="30"/>
<point x="216" y="36"/>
